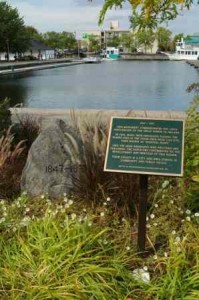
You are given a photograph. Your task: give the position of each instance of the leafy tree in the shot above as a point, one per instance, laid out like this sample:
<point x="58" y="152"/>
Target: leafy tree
<point x="12" y="30"/>
<point x="93" y="43"/>
<point x="113" y="42"/>
<point x="60" y="40"/>
<point x="148" y="13"/>
<point x="33" y="34"/>
<point x="67" y="40"/>
<point x="164" y="38"/>
<point x="145" y="38"/>
<point x="129" y="41"/>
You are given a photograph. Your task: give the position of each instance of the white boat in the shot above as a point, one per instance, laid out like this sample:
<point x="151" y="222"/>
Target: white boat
<point x="186" y="49"/>
<point x="111" y="53"/>
<point x="92" y="60"/>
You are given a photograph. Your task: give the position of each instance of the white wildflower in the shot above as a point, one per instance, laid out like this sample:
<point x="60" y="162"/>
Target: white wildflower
<point x="177" y="239"/>
<point x="2" y="220"/>
<point x="42" y="196"/>
<point x="27" y="209"/>
<point x="25" y="221"/>
<point x="5" y="214"/>
<point x="84" y="209"/>
<point x="173" y="232"/>
<point x="188" y="212"/>
<point x="165" y="254"/>
<point x="123" y="220"/>
<point x="155" y="257"/>
<point x="196" y="214"/>
<point x="147" y="218"/>
<point x="152" y="216"/>
<point x="105" y="242"/>
<point x="24" y="193"/>
<point x="165" y="184"/>
<point x="171" y="201"/>
<point x="141" y="275"/>
<point x="145" y="268"/>
<point x="155" y="224"/>
<point x="102" y="214"/>
<point x="148" y="226"/>
<point x="70" y="202"/>
<point x="108" y="199"/>
<point x="105" y="204"/>
<point x="178" y="250"/>
<point x="156" y="205"/>
<point x="89" y="224"/>
<point x="14" y="229"/>
<point x="65" y="194"/>
<point x="188" y="218"/>
<point x="128" y="248"/>
<point x="73" y="216"/>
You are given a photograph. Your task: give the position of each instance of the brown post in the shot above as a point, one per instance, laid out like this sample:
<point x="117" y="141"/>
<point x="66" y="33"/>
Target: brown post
<point x="143" y="187"/>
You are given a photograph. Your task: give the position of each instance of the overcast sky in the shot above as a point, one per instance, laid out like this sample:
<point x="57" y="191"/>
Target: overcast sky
<point x="81" y="15"/>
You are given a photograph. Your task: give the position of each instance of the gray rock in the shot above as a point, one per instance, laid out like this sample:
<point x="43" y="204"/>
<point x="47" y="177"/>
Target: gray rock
<point x="53" y="161"/>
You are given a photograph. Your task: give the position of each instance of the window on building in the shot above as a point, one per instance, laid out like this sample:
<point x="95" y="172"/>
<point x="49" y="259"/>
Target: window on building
<point x="182" y="52"/>
<point x="178" y="52"/>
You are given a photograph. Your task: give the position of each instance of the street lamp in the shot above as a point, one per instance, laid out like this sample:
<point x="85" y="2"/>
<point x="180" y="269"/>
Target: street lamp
<point x="8" y="49"/>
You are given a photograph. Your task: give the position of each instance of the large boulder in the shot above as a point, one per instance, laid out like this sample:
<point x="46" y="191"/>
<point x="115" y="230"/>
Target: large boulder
<point x="53" y="161"/>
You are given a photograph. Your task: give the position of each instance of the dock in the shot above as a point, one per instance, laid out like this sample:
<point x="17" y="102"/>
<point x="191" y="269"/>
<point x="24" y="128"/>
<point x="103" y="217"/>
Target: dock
<point x="194" y="63"/>
<point x="21" y="67"/>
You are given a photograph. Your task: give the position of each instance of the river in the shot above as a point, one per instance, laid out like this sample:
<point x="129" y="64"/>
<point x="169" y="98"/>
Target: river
<point x="148" y="85"/>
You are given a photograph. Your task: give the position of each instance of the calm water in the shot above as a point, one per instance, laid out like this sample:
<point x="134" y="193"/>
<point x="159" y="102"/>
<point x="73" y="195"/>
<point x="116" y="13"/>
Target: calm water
<point x="109" y="85"/>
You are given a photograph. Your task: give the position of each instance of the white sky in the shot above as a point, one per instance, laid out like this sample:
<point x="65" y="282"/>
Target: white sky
<point x="81" y="15"/>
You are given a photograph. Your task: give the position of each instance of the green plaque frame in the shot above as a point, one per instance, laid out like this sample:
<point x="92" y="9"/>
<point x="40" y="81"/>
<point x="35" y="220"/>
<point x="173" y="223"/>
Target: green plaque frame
<point x="145" y="146"/>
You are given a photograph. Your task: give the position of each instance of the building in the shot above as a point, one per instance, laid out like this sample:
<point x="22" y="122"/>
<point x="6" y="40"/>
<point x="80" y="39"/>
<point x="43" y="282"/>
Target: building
<point x="40" y="51"/>
<point x="37" y="50"/>
<point x="105" y="36"/>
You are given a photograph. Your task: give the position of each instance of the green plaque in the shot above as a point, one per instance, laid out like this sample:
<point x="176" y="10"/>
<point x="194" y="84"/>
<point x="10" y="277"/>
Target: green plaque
<point x="85" y="35"/>
<point x="145" y="146"/>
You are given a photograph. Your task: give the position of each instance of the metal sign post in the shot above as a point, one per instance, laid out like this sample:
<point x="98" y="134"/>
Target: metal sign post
<point x="143" y="188"/>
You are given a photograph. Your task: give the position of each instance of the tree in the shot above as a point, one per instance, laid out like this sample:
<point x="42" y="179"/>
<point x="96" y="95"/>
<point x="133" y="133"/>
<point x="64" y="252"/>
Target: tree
<point x="145" y="38"/>
<point x="60" y="40"/>
<point x="129" y="41"/>
<point x="67" y="40"/>
<point x="164" y="38"/>
<point x="12" y="30"/>
<point x="113" y="42"/>
<point x="93" y="43"/>
<point x="33" y="34"/>
<point x="146" y="13"/>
